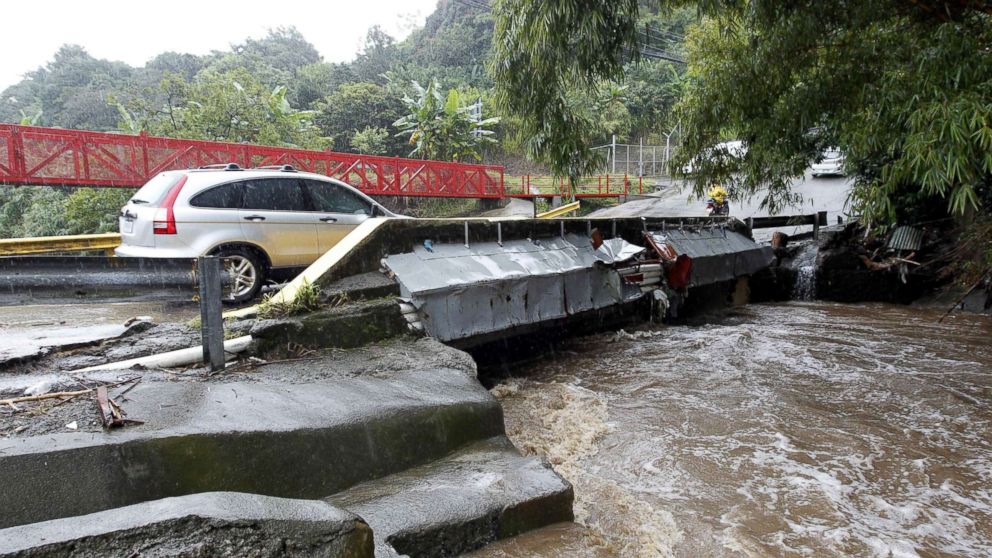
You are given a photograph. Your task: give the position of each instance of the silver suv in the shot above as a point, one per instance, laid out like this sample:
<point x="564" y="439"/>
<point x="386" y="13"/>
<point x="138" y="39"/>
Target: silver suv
<point x="267" y="222"/>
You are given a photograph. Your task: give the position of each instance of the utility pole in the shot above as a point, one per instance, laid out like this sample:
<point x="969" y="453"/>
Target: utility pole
<point x="475" y="113"/>
<point x="613" y="151"/>
<point x="640" y="158"/>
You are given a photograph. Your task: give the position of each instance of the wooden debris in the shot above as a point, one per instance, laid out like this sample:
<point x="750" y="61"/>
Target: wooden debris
<point x="51" y="395"/>
<point x="111" y="413"/>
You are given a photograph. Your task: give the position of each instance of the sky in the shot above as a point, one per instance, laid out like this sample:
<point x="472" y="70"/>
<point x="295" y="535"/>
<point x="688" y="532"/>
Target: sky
<point x="135" y="31"/>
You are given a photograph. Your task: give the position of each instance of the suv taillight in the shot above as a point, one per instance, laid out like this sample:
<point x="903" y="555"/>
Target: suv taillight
<point x="168" y="225"/>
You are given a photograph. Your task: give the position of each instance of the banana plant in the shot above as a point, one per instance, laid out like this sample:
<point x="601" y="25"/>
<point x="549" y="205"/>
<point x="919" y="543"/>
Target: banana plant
<point x="440" y="126"/>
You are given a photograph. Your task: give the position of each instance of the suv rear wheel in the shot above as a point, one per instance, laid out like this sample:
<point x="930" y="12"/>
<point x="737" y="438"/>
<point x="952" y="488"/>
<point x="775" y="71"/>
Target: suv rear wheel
<point x="247" y="272"/>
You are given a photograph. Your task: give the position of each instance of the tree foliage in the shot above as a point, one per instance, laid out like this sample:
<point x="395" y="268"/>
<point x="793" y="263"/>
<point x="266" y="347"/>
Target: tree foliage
<point x="353" y="107"/>
<point x="543" y="51"/>
<point x="902" y="87"/>
<point x="232" y="106"/>
<point x="440" y="127"/>
<point x="904" y="91"/>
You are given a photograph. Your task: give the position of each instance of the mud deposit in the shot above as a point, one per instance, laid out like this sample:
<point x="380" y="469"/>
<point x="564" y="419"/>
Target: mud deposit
<point x="802" y="429"/>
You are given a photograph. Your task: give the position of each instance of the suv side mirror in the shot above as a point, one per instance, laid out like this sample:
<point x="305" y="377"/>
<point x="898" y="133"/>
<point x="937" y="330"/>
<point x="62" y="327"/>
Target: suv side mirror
<point x="376" y="211"/>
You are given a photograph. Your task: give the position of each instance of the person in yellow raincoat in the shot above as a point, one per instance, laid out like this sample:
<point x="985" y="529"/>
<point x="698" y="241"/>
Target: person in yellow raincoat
<point x="718" y="203"/>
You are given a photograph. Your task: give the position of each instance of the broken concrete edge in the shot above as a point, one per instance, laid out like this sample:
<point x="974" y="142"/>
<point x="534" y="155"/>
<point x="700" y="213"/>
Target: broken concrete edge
<point x="479" y="494"/>
<point x="101" y="334"/>
<point x="343" y="327"/>
<point x="211" y="523"/>
<point x="521" y="517"/>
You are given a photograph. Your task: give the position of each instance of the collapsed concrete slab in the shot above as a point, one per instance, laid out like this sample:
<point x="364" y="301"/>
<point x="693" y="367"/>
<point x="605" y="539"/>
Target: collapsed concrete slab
<point x="299" y="430"/>
<point x="345" y="327"/>
<point x="210" y="524"/>
<point x="480" y="494"/>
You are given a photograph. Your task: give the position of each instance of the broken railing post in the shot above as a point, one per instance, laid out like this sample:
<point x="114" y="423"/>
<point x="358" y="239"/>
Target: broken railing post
<point x="819" y="219"/>
<point x="211" y="315"/>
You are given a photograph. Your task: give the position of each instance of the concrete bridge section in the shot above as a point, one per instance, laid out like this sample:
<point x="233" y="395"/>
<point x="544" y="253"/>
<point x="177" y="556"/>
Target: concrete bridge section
<point x="505" y="278"/>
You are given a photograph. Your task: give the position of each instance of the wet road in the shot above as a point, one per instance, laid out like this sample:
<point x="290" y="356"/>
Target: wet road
<point x="26" y="329"/>
<point x="819" y="194"/>
<point x="801" y="429"/>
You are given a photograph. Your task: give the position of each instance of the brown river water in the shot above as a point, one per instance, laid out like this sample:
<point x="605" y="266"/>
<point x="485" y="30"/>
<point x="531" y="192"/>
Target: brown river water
<point x="799" y="429"/>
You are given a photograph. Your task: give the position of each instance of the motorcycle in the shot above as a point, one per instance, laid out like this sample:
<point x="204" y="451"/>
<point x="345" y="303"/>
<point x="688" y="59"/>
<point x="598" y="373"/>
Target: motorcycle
<point x="714" y="207"/>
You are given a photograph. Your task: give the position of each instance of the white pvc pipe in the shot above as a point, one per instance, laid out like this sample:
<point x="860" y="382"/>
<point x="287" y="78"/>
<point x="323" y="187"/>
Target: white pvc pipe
<point x="172" y="359"/>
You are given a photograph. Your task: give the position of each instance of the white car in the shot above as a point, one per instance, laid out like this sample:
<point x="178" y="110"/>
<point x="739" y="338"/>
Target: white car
<point x="267" y="222"/>
<point x="831" y="164"/>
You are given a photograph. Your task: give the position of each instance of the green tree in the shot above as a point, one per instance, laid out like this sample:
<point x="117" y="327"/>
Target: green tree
<point x="231" y="106"/>
<point x="283" y="48"/>
<point x="379" y="54"/>
<point x="357" y="106"/>
<point x="314" y="82"/>
<point x="543" y="52"/>
<point x="32" y="211"/>
<point x="94" y="210"/>
<point x="372" y="141"/>
<point x="440" y="127"/>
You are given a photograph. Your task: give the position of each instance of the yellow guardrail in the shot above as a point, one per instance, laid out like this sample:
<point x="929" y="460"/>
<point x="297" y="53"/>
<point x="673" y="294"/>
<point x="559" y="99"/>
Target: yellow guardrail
<point x="559" y="211"/>
<point x="52" y="244"/>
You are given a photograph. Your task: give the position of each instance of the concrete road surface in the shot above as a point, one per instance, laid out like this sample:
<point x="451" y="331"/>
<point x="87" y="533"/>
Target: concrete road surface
<point x="670" y="200"/>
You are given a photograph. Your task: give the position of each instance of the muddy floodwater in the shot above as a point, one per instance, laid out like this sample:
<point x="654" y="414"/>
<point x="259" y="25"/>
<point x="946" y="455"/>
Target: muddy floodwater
<point x="801" y="429"/>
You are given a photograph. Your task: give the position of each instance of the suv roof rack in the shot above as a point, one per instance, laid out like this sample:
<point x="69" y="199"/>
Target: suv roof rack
<point x="222" y="166"/>
<point x="283" y="168"/>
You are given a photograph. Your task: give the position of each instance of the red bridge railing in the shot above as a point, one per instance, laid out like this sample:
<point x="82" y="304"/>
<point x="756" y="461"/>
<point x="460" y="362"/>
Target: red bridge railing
<point x="31" y="155"/>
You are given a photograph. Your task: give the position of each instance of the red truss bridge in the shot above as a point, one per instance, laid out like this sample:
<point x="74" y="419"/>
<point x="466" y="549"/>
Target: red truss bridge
<point x="32" y="155"/>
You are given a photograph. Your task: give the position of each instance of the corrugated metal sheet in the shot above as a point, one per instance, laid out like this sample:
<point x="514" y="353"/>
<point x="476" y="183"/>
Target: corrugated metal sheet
<point x="462" y="291"/>
<point x="906" y="238"/>
<point x="717" y="254"/>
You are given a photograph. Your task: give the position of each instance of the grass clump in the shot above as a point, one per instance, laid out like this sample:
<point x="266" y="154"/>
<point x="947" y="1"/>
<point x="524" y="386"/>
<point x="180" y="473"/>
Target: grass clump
<point x="307" y="299"/>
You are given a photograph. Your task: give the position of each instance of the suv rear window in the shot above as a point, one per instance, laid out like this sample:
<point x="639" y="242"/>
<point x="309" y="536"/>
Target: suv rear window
<point x="152" y="193"/>
<point x="274" y="194"/>
<point x="226" y="196"/>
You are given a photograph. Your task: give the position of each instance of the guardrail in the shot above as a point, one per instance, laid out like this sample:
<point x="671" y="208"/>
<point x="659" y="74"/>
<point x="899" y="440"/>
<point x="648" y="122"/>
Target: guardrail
<point x="559" y="211"/>
<point x="28" y="278"/>
<point x="818" y="220"/>
<point x="55" y="244"/>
